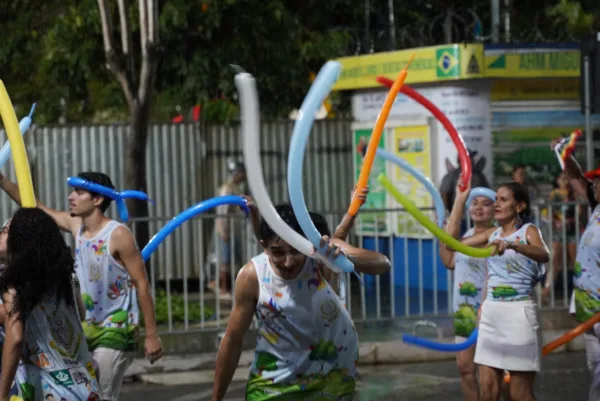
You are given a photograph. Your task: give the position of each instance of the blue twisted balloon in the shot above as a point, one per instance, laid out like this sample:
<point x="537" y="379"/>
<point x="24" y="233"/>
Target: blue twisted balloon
<point x="314" y="99"/>
<point x="118" y="197"/>
<point x="443" y="347"/>
<point x="189" y="214"/>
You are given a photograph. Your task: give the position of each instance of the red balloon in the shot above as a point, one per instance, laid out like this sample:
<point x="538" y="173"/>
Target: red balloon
<point x="463" y="153"/>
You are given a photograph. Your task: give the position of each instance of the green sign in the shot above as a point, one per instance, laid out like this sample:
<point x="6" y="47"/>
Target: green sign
<point x="370" y="222"/>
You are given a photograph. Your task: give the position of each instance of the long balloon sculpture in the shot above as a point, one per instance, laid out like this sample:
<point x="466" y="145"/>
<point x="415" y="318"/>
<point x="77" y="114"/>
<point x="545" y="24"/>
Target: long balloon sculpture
<point x="463" y="153"/>
<point x="22" y="171"/>
<point x="118" y="197"/>
<point x="435" y="194"/>
<point x="365" y="171"/>
<point x="189" y="214"/>
<point x="250" y="114"/>
<point x="318" y="91"/>
<point x="24" y="125"/>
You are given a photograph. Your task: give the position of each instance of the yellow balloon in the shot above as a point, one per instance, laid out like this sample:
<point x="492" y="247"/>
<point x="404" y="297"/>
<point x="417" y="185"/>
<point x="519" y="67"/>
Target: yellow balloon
<point x="430" y="225"/>
<point x="17" y="147"/>
<point x="16" y="398"/>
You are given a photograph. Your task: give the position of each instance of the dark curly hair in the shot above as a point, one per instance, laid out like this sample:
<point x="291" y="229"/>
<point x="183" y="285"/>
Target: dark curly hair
<point x="286" y="212"/>
<point x="39" y="263"/>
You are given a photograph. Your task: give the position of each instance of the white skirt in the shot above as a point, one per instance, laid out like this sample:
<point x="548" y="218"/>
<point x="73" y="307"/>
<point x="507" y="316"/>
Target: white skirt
<point x="509" y="336"/>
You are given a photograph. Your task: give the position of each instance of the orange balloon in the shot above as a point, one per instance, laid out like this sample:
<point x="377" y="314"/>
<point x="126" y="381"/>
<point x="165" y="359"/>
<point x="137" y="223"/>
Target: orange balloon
<point x="204" y="6"/>
<point x="565" y="338"/>
<point x="363" y="179"/>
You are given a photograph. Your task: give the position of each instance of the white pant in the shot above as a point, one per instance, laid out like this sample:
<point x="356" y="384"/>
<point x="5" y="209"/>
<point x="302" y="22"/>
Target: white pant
<point x="111" y="366"/>
<point x="592" y="351"/>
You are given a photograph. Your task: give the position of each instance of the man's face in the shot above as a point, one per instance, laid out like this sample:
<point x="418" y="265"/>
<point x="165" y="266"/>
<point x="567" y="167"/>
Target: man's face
<point x="282" y="256"/>
<point x="82" y="203"/>
<point x="519" y="175"/>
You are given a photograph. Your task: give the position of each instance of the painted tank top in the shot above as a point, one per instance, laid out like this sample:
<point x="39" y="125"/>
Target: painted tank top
<point x="587" y="270"/>
<point x="307" y="346"/>
<point x="56" y="359"/>
<point x="512" y="276"/>
<point x="469" y="284"/>
<point x="112" y="316"/>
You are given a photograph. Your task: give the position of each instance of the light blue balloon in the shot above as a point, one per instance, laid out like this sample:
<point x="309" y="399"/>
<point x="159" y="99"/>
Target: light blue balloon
<point x="314" y="99"/>
<point x="24" y="125"/>
<point x="189" y="214"/>
<point x="440" y="209"/>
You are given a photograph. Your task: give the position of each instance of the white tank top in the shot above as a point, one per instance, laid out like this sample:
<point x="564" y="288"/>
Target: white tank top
<point x="56" y="359"/>
<point x="112" y="313"/>
<point x="469" y="283"/>
<point x="587" y="269"/>
<point x="512" y="276"/>
<point x="306" y="341"/>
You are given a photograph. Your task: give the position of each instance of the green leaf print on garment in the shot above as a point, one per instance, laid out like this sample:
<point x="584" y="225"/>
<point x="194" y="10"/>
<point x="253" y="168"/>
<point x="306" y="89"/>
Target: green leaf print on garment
<point x="504" y="291"/>
<point x="265" y="361"/>
<point x="465" y="320"/>
<point x="324" y="352"/>
<point x="88" y="302"/>
<point x="27" y="391"/>
<point x="577" y="270"/>
<point x="468" y="290"/>
<point x="586" y="305"/>
<point x="334" y="386"/>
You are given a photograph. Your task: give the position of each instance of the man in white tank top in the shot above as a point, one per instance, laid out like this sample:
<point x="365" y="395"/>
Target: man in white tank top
<point x="112" y="275"/>
<point x="307" y="345"/>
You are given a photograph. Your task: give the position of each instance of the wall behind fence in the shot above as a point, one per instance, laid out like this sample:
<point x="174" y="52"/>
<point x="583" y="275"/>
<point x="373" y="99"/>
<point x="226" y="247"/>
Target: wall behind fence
<point x="186" y="164"/>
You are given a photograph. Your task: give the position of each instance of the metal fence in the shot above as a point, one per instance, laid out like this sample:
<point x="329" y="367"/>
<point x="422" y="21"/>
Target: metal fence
<point x="186" y="163"/>
<point x="417" y="285"/>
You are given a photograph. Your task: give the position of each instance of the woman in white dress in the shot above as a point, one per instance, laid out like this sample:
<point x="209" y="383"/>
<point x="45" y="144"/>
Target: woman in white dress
<point x="509" y="330"/>
<point x="468" y="290"/>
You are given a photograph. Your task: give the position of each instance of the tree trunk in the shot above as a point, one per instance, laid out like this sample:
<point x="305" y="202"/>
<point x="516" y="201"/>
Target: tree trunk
<point x="135" y="168"/>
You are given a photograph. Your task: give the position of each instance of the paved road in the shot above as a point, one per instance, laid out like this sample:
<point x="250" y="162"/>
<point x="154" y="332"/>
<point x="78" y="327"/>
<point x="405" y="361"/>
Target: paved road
<point x="564" y="378"/>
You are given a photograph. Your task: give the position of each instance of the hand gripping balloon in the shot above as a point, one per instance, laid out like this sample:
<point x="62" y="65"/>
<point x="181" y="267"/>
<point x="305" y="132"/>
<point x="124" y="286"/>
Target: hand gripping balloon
<point x="189" y="214"/>
<point x="463" y="153"/>
<point x="318" y="91"/>
<point x="435" y="230"/>
<point x="566" y="147"/>
<point x="440" y="209"/>
<point x="249" y="108"/>
<point x="443" y="347"/>
<point x="365" y="171"/>
<point x="118" y="197"/>
<point x="11" y="125"/>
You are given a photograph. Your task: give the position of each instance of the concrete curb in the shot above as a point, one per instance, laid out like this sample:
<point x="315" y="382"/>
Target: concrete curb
<point x="199" y="368"/>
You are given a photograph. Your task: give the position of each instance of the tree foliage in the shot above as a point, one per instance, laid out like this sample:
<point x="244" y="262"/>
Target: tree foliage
<point x="53" y="50"/>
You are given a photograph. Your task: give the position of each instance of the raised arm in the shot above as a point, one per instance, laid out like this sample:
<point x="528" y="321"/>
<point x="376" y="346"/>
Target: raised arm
<point x="574" y="171"/>
<point x="343" y="229"/>
<point x="446" y="254"/>
<point x="368" y="262"/>
<point x="230" y="350"/>
<point x="63" y="219"/>
<point x="125" y="249"/>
